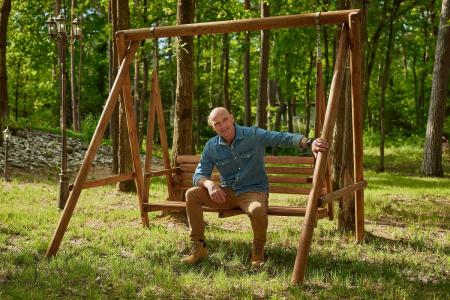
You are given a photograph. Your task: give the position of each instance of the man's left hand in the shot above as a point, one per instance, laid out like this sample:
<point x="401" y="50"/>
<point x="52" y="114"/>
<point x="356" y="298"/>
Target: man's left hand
<point x="319" y="145"/>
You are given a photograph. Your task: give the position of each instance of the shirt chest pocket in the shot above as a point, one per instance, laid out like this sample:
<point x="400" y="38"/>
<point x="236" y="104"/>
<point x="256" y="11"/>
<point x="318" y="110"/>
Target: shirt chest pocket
<point x="246" y="154"/>
<point x="227" y="167"/>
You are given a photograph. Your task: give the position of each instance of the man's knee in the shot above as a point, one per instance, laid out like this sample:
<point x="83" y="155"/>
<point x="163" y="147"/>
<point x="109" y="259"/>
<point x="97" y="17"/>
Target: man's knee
<point x="257" y="210"/>
<point x="193" y="194"/>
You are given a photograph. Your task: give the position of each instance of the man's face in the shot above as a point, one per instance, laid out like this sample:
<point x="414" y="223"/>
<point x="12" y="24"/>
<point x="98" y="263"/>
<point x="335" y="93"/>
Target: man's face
<point x="223" y="124"/>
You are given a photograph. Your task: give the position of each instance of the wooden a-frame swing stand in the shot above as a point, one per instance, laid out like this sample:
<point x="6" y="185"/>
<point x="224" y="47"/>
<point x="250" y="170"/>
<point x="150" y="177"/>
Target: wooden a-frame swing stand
<point x="127" y="44"/>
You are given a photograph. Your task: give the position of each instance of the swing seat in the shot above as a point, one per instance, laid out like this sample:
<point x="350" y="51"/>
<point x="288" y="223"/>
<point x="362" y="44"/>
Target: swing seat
<point x="290" y="175"/>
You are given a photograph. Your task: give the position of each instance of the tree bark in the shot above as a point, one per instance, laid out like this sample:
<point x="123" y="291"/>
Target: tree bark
<point x="4" y="16"/>
<point x="114" y="65"/>
<point x="182" y="135"/>
<point x="16" y="103"/>
<point x="308" y="94"/>
<point x="261" y="107"/>
<point x="432" y="153"/>
<point x="226" y="67"/>
<point x="385" y="78"/>
<point x="342" y="164"/>
<point x="124" y="152"/>
<point x="247" y="102"/>
<point x="73" y="85"/>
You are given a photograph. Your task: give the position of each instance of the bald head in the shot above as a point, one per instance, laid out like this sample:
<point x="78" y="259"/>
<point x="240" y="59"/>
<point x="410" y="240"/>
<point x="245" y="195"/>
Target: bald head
<point x="222" y="122"/>
<point x="218" y="111"/>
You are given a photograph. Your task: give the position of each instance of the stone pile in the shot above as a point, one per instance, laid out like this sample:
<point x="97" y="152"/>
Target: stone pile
<point x="31" y="149"/>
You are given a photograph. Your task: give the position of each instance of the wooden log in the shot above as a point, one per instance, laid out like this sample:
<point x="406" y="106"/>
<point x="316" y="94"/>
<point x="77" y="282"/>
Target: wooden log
<point x="341" y="193"/>
<point x="90" y="154"/>
<point x="309" y="223"/>
<point x="292" y="21"/>
<point x="132" y="133"/>
<point x="357" y="118"/>
<point x="105" y="181"/>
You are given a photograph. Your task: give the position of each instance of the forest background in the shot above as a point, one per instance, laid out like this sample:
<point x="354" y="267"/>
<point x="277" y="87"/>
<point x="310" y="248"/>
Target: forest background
<point x="399" y="40"/>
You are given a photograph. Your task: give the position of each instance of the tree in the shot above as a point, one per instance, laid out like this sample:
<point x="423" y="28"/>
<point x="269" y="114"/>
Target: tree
<point x="385" y="77"/>
<point x="182" y="135"/>
<point x="342" y="167"/>
<point x="261" y="107"/>
<point x="246" y="85"/>
<point x="4" y="16"/>
<point x="73" y="87"/>
<point x="121" y="14"/>
<point x="432" y="153"/>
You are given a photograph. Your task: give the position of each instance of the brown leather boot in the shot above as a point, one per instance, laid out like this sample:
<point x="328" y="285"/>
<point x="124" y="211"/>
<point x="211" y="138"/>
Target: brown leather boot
<point x="257" y="255"/>
<point x="198" y="252"/>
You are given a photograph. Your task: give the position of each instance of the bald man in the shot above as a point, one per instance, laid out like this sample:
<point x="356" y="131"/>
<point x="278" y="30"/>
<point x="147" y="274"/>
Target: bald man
<point x="238" y="153"/>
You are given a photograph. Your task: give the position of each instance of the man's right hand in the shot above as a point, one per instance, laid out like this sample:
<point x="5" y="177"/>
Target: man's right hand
<point x="216" y="193"/>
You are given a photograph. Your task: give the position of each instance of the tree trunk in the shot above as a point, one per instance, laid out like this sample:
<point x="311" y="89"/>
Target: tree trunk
<point x="342" y="164"/>
<point x="125" y="163"/>
<point x="73" y="85"/>
<point x="432" y="153"/>
<point x="247" y="102"/>
<point x="261" y="107"/>
<point x="385" y="78"/>
<point x="16" y="103"/>
<point x="114" y="65"/>
<point x="4" y="16"/>
<point x="80" y="65"/>
<point x="182" y="135"/>
<point x="308" y="94"/>
<point x="226" y="67"/>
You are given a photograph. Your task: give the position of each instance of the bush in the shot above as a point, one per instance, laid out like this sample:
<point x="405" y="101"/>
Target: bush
<point x="88" y="126"/>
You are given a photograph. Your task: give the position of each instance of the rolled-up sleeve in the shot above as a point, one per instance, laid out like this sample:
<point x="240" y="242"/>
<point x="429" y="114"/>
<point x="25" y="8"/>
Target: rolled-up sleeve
<point x="204" y="167"/>
<point x="281" y="139"/>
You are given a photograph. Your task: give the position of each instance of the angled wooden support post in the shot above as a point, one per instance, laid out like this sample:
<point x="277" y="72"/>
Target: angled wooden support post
<point x="90" y="154"/>
<point x="309" y="223"/>
<point x="156" y="112"/>
<point x="132" y="131"/>
<point x="357" y="118"/>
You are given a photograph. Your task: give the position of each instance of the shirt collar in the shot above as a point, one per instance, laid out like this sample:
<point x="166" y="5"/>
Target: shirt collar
<point x="238" y="135"/>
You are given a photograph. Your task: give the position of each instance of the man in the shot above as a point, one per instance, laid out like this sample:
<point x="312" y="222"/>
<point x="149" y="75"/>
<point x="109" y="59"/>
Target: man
<point x="238" y="153"/>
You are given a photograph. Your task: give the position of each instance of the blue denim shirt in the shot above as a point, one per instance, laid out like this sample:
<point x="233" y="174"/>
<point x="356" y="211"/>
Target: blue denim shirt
<point x="241" y="164"/>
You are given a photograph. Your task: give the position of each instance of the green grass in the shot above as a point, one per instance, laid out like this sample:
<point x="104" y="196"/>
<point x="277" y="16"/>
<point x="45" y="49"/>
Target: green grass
<point x="106" y="253"/>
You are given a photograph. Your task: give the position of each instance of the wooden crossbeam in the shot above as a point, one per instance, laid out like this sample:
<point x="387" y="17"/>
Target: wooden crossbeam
<point x="291" y="21"/>
<point x="325" y="199"/>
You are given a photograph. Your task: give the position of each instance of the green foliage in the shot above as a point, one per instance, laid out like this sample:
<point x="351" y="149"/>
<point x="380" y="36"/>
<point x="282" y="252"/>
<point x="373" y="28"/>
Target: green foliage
<point x="88" y="126"/>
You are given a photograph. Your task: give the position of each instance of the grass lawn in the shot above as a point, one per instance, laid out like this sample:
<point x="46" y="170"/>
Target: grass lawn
<point x="106" y="253"/>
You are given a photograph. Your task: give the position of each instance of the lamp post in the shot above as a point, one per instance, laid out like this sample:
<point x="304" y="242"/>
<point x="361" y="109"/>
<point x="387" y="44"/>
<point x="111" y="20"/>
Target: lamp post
<point x="57" y="29"/>
<point x="6" y="138"/>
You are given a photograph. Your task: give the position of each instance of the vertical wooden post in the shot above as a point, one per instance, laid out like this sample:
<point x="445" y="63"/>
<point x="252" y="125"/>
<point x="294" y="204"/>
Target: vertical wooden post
<point x="150" y="136"/>
<point x="163" y="135"/>
<point x="357" y="119"/>
<point x="309" y="223"/>
<point x="91" y="152"/>
<point x="132" y="132"/>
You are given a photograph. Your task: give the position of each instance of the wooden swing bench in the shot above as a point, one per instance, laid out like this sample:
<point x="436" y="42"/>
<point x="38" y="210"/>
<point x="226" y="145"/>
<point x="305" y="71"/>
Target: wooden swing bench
<point x="290" y="175"/>
<point x="287" y="175"/>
